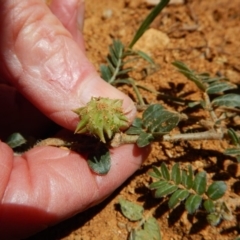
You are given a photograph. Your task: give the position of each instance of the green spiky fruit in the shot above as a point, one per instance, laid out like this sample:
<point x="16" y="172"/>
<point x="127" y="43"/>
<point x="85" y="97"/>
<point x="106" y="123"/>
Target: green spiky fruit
<point x="101" y="117"/>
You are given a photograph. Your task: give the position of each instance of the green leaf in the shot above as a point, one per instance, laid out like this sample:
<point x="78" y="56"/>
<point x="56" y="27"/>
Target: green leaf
<point x="187" y="177"/>
<point x="232" y="151"/>
<point x="216" y="190"/>
<point x="145" y="56"/>
<point x="136" y="128"/>
<point x="158" y="184"/>
<point x="165" y="171"/>
<point x="165" y="190"/>
<point x="137" y="122"/>
<point x="176" y="174"/>
<point x="200" y="183"/>
<point x="105" y="72"/>
<point x="148" y="20"/>
<point x="213" y="219"/>
<point x="190" y="74"/>
<point x="16" y="140"/>
<point x="234" y="137"/>
<point x="227" y="100"/>
<point x="192" y="203"/>
<point x="209" y="205"/>
<point x="150" y="231"/>
<point x="100" y="161"/>
<point x="144" y="139"/>
<point x="157" y="119"/>
<point x="134" y="131"/>
<point x="130" y="210"/>
<point x="177" y="197"/>
<point x="219" y="87"/>
<point x="157" y="171"/>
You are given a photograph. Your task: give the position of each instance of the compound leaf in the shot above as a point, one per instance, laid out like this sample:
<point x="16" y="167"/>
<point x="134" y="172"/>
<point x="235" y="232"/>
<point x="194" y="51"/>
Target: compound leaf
<point x="190" y="74"/>
<point x="157" y="119"/>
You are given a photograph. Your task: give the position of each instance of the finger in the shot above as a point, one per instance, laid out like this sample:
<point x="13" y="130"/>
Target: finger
<point x="71" y="15"/>
<point x="48" y="184"/>
<point x="44" y="62"/>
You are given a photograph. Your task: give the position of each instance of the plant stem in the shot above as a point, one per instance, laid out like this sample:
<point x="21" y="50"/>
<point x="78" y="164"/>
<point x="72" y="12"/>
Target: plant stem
<point x="122" y="138"/>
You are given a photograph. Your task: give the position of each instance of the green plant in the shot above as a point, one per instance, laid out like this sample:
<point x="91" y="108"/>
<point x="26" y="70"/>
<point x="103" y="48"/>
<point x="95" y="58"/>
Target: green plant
<point x="185" y="186"/>
<point x="104" y="120"/>
<point x="147" y="227"/>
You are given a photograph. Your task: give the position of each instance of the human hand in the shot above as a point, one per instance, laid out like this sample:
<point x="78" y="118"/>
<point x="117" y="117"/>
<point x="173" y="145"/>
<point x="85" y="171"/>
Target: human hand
<point x="42" y="57"/>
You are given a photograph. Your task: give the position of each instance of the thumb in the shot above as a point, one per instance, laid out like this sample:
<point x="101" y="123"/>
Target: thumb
<point x="42" y="60"/>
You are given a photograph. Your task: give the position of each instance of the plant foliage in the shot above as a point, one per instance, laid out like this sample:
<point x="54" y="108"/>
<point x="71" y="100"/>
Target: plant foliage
<point x="185" y="186"/>
<point x="148" y="228"/>
<point x="156" y="121"/>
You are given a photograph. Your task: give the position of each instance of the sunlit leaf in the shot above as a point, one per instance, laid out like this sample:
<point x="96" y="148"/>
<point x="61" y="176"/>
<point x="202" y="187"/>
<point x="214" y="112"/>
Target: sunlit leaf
<point x="227" y="100"/>
<point x="200" y="183"/>
<point x="192" y="203"/>
<point x="157" y="184"/>
<point x="105" y="72"/>
<point x="165" y="190"/>
<point x="219" y="87"/>
<point x="145" y="57"/>
<point x="233" y="135"/>
<point x="232" y="151"/>
<point x="216" y="190"/>
<point x="177" y="197"/>
<point x="165" y="171"/>
<point x="148" y="20"/>
<point x="157" y="119"/>
<point x="190" y="74"/>
<point x="157" y="172"/>
<point x="176" y="174"/>
<point x="130" y="210"/>
<point x="187" y="177"/>
<point x="150" y="231"/>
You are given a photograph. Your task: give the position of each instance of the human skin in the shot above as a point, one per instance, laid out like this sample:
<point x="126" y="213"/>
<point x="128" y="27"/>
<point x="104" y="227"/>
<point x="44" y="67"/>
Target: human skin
<point x="43" y="59"/>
